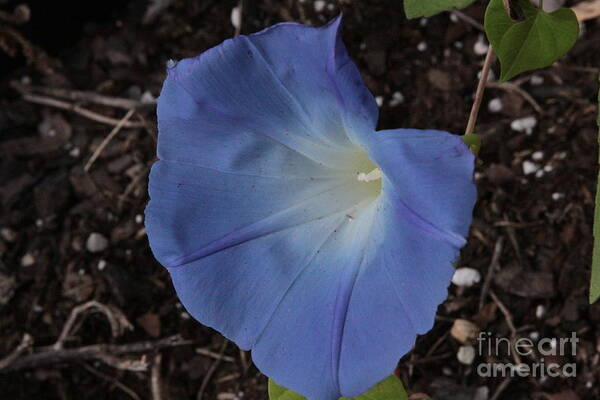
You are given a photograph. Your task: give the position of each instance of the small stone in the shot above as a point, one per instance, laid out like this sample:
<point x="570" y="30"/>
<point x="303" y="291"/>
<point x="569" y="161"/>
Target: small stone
<point x="466" y="355"/>
<point x="534" y="336"/>
<point x="480" y="47"/>
<point x="101" y="265"/>
<point x="8" y="234"/>
<point x="96" y="243"/>
<point x="495" y="105"/>
<point x="75" y="152"/>
<point x="423" y="21"/>
<point x="422" y="46"/>
<point x="320" y="5"/>
<point x="397" y="99"/>
<point x="379" y="100"/>
<point x="530" y="167"/>
<point x="466" y="277"/>
<point x="147" y="98"/>
<point x="464" y="331"/>
<point x="540" y="311"/>
<point x="27" y="260"/>
<point x="557" y="196"/>
<point x="538" y="155"/>
<point x="524" y="125"/>
<point x="548" y="168"/>
<point x="236" y="17"/>
<point x="536" y="80"/>
<point x="139" y="219"/>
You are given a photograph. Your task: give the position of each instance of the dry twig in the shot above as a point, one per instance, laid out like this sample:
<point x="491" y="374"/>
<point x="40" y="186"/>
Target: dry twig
<point x="211" y="371"/>
<point x="84" y="112"/>
<point x="80" y="96"/>
<point x="491" y="269"/>
<point x="108" y="138"/>
<point x="25" y="344"/>
<point x="155" y="386"/>
<point x="114" y="381"/>
<point x="46" y="356"/>
<point x="512" y="87"/>
<point x="117" y="320"/>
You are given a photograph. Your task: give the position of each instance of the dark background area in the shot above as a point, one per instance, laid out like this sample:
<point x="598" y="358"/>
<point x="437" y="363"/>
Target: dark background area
<point x="70" y="236"/>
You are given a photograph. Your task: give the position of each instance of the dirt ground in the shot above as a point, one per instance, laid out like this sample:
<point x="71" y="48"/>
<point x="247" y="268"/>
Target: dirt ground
<point x="71" y="235"/>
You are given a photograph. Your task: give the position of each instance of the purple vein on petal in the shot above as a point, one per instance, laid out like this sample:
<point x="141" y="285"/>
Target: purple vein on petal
<point x="276" y="222"/>
<point x="340" y="318"/>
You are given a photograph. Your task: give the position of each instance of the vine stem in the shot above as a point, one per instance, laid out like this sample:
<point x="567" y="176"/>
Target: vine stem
<point x="485" y="72"/>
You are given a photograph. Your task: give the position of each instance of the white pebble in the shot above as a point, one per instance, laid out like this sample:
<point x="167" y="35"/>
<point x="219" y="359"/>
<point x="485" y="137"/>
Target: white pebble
<point x="540" y="311"/>
<point x="557" y="196"/>
<point x="147" y="98"/>
<point x="423" y="21"/>
<point x="453" y="17"/>
<point x="397" y="99"/>
<point x="101" y="265"/>
<point x="536" y="80"/>
<point x="491" y="75"/>
<point x="524" y="125"/>
<point x="480" y="47"/>
<point x="236" y="17"/>
<point x="422" y="46"/>
<point x="379" y="100"/>
<point x="466" y="277"/>
<point x="530" y="167"/>
<point x="548" y="168"/>
<point x="320" y="5"/>
<point x="185" y="315"/>
<point x="458" y="44"/>
<point x="139" y="219"/>
<point x="96" y="243"/>
<point x="534" y="336"/>
<point x="27" y="260"/>
<point x="540" y="173"/>
<point x="8" y="234"/>
<point x="538" y="155"/>
<point x="562" y="155"/>
<point x="466" y="355"/>
<point x="75" y="152"/>
<point x="495" y="105"/>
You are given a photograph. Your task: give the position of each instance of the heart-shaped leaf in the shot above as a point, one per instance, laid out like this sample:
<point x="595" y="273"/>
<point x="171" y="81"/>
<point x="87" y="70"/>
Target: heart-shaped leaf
<point x="536" y="42"/>
<point x="427" y="8"/>
<point x="388" y="389"/>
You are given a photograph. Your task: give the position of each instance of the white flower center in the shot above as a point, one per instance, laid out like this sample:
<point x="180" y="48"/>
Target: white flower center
<point x="371" y="176"/>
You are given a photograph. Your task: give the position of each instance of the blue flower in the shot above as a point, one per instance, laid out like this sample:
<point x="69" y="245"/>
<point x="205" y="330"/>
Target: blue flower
<point x="292" y="226"/>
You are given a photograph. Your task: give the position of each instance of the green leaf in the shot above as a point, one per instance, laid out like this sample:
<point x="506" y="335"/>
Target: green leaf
<point x="388" y="389"/>
<point x="473" y="142"/>
<point x="277" y="392"/>
<point x="595" y="283"/>
<point x="536" y="42"/>
<point x="427" y="8"/>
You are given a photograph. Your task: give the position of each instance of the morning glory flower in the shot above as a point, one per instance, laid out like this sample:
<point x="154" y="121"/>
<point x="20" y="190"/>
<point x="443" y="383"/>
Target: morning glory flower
<point x="289" y="223"/>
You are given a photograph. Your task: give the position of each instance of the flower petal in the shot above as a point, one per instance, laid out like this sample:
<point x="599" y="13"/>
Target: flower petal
<point x="268" y="235"/>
